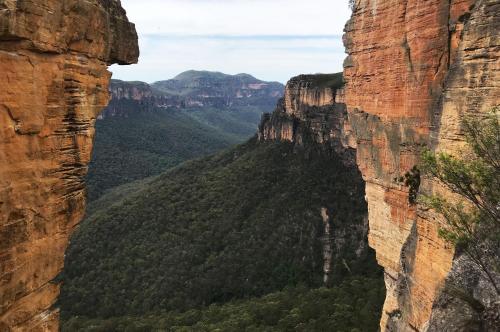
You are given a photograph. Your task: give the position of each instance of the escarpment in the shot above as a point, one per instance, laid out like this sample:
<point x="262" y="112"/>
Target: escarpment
<point x="312" y="109"/>
<point x="414" y="68"/>
<point x="192" y="90"/>
<point x="53" y="82"/>
<point x="312" y="114"/>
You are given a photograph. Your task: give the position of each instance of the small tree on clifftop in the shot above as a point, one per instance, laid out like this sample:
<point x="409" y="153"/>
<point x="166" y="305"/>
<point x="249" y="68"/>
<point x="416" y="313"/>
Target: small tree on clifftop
<point x="473" y="222"/>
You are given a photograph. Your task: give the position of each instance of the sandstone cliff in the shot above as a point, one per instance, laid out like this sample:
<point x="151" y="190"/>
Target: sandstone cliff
<point x="312" y="108"/>
<point x="193" y="90"/>
<point x="53" y="83"/>
<point x="313" y="114"/>
<point x="413" y="69"/>
<point x="205" y="88"/>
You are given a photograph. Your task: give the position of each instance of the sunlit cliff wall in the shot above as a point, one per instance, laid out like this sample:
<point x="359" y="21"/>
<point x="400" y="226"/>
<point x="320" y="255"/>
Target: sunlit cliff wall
<point x="53" y="82"/>
<point x="414" y="68"/>
<point x="311" y="110"/>
<point x="312" y="115"/>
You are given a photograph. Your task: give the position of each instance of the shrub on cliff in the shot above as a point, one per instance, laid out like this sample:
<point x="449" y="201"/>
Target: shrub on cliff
<point x="473" y="222"/>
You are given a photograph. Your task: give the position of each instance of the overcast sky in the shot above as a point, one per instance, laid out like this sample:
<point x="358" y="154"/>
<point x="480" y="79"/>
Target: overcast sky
<point x="270" y="39"/>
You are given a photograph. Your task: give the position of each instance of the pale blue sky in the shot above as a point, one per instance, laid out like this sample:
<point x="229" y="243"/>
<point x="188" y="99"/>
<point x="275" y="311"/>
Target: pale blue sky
<point x="270" y="39"/>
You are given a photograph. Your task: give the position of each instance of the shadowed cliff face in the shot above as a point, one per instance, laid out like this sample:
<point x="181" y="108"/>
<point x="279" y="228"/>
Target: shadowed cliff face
<point x="414" y="68"/>
<point x="53" y="83"/>
<point x="312" y="108"/>
<point x="312" y="113"/>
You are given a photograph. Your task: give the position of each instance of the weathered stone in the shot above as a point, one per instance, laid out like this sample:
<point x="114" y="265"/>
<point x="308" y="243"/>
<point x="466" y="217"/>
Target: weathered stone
<point x="53" y="83"/>
<point x="192" y="90"/>
<point x="312" y="115"/>
<point x="414" y="68"/>
<point x="310" y="111"/>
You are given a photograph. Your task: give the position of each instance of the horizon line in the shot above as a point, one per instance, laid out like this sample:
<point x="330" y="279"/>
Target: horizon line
<point x="216" y="72"/>
<point x="236" y="36"/>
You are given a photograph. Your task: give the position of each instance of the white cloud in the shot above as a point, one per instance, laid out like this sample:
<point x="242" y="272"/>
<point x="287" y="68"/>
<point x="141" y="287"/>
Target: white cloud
<point x="271" y="39"/>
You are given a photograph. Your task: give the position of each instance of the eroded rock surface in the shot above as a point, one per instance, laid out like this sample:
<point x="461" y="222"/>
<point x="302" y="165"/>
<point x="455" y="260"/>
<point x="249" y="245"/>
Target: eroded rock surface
<point x="53" y="82"/>
<point x="193" y="90"/>
<point x="312" y="114"/>
<point x="414" y="69"/>
<point x="312" y="108"/>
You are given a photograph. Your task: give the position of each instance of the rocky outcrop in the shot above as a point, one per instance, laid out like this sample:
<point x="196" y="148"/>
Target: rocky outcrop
<point x="413" y="69"/>
<point x="192" y="90"/>
<point x="53" y="82"/>
<point x="312" y="114"/>
<point x="312" y="109"/>
<point x="129" y="97"/>
<point x="138" y="91"/>
<point x="205" y="88"/>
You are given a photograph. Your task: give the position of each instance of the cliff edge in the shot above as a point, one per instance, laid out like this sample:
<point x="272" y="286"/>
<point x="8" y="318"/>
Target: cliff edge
<point x="53" y="82"/>
<point x="414" y="68"/>
<point x="312" y="109"/>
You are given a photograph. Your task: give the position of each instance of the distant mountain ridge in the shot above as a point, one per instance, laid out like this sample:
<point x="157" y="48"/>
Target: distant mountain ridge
<point x="148" y="128"/>
<point x="192" y="89"/>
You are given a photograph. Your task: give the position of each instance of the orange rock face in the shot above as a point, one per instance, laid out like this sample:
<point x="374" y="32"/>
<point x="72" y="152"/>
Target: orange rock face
<point x="414" y="68"/>
<point x="313" y="110"/>
<point x="53" y="83"/>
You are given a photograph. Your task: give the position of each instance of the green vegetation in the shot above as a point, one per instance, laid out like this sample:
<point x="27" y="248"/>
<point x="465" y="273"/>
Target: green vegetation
<point x="239" y="123"/>
<point x="237" y="225"/>
<point x="473" y="221"/>
<point x="352" y="306"/>
<point x="412" y="180"/>
<point x="335" y="81"/>
<point x="220" y="87"/>
<point x="145" y="143"/>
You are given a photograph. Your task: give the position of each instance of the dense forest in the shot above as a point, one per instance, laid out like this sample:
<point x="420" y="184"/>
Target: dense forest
<point x="143" y="144"/>
<point x="352" y="306"/>
<point x="147" y="128"/>
<point x="216" y="236"/>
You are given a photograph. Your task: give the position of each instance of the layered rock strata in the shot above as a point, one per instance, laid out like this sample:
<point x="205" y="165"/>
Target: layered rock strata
<point x="53" y="82"/>
<point x="312" y="114"/>
<point x="311" y="111"/>
<point x="192" y="90"/>
<point x="414" y="68"/>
